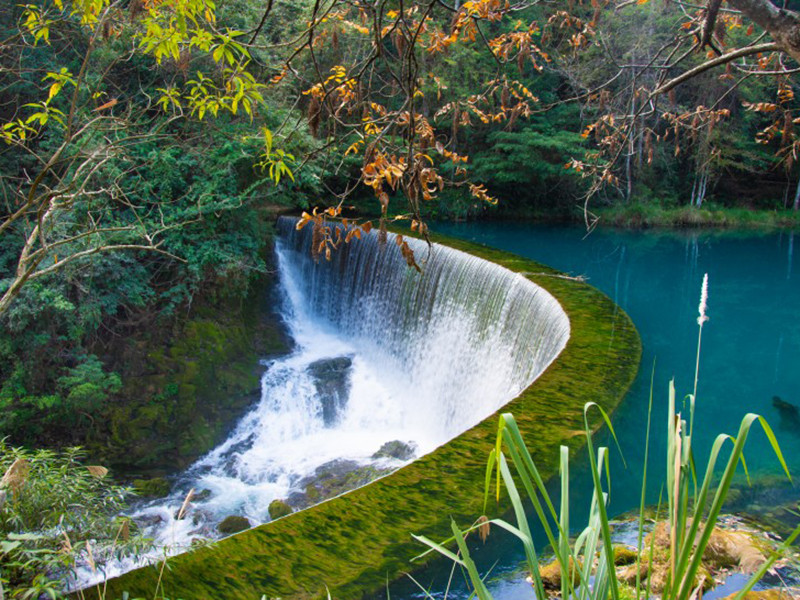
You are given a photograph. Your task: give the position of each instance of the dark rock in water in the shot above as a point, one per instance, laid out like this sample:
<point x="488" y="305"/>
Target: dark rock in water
<point x="200" y="516"/>
<point x="788" y="413"/>
<point x="233" y="524"/>
<point x="398" y="450"/>
<point x="332" y="380"/>
<point x="332" y="479"/>
<point x="201" y="495"/>
<point x="146" y="521"/>
<point x="278" y="509"/>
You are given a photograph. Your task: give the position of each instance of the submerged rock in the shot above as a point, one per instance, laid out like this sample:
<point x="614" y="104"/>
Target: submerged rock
<point x="788" y="413"/>
<point x="278" y="509"/>
<point x="332" y="380"/>
<point x="398" y="450"/>
<point x="233" y="524"/>
<point x="332" y="479"/>
<point x="201" y="495"/>
<point x="150" y="520"/>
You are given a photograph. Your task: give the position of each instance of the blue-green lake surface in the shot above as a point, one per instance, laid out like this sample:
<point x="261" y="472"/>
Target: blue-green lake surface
<point x="750" y="352"/>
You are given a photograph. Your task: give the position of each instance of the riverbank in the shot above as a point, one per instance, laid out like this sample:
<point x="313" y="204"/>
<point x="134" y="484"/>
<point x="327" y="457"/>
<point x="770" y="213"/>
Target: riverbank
<point x="641" y="216"/>
<point x="635" y="215"/>
<point x="185" y="386"/>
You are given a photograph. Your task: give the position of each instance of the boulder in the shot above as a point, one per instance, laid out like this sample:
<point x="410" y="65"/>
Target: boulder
<point x="332" y="479"/>
<point x="233" y="524"/>
<point x="624" y="555"/>
<point x="397" y="450"/>
<point x="158" y="487"/>
<point x="278" y="509"/>
<point x="551" y="574"/>
<point x="332" y="380"/>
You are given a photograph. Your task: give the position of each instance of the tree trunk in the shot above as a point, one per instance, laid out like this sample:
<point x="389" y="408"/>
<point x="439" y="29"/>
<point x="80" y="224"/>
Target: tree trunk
<point x="782" y="25"/>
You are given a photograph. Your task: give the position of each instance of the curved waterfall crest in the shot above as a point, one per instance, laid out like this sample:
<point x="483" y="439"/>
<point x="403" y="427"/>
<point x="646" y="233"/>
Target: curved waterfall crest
<point x="467" y="334"/>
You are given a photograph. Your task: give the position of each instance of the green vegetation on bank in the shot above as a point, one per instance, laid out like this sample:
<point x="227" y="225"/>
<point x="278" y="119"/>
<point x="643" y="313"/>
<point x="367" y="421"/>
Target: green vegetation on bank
<point x="54" y="510"/>
<point x="646" y="215"/>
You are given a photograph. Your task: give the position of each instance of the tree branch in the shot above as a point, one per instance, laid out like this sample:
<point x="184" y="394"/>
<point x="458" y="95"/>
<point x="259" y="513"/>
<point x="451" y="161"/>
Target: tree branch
<point x="714" y="62"/>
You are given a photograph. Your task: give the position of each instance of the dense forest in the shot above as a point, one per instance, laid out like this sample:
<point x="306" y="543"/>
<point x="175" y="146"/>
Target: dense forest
<point x="148" y="145"/>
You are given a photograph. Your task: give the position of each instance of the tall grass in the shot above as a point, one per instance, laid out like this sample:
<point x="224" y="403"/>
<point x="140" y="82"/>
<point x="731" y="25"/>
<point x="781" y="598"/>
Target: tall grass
<point x="586" y="564"/>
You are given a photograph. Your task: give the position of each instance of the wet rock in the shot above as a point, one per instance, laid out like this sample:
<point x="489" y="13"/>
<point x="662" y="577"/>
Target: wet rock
<point x="158" y="487"/>
<point x="201" y="517"/>
<point x="551" y="574"/>
<point x="332" y="479"/>
<point x="230" y="458"/>
<point x="332" y="380"/>
<point x="788" y="413"/>
<point x="278" y="509"/>
<point x="733" y="549"/>
<point x="727" y="549"/>
<point x="201" y="495"/>
<point x="148" y="521"/>
<point x="233" y="524"/>
<point x="624" y="555"/>
<point x="398" y="450"/>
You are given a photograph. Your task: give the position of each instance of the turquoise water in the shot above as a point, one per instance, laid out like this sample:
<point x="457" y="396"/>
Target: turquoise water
<point x="750" y="348"/>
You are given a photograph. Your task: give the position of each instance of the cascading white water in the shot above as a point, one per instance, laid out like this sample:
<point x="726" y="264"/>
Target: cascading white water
<point x="382" y="353"/>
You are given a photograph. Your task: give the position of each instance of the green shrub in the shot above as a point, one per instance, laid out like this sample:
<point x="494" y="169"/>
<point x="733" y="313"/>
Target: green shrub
<point x="54" y="512"/>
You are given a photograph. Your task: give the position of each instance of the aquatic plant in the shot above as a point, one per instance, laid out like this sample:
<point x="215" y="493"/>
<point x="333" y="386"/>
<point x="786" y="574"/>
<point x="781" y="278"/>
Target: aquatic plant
<point x="586" y="565"/>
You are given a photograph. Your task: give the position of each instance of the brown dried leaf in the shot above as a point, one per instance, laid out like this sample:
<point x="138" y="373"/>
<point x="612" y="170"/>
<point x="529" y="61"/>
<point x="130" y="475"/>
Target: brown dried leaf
<point x="16" y="476"/>
<point x="97" y="471"/>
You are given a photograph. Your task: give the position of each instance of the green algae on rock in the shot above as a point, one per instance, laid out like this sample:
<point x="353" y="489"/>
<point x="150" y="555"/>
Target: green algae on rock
<point x="278" y="509"/>
<point x="233" y="524"/>
<point x="184" y="388"/>
<point x="353" y="543"/>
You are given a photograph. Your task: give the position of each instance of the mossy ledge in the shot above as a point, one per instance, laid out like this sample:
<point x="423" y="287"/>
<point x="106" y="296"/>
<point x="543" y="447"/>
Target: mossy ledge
<point x="353" y="543"/>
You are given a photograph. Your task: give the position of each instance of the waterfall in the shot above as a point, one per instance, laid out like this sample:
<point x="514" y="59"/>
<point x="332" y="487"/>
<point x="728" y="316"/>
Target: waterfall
<point x="466" y="334"/>
<point x="383" y="354"/>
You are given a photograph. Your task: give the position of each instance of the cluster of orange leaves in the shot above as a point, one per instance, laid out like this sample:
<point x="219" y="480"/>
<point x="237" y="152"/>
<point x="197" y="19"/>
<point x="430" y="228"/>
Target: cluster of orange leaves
<point x="326" y="238"/>
<point x="330" y="231"/>
<point x="782" y="123"/>
<point x="519" y="46"/>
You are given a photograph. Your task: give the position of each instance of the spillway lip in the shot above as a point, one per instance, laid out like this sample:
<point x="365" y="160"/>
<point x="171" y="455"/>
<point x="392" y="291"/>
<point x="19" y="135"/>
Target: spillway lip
<point x="500" y="329"/>
<point x="354" y="543"/>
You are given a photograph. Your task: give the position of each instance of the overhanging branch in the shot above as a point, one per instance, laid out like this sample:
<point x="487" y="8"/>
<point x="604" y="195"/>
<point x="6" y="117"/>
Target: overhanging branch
<point x="715" y="62"/>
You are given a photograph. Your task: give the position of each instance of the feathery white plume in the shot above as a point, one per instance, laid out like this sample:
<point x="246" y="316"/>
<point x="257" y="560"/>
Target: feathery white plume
<point x="703" y="302"/>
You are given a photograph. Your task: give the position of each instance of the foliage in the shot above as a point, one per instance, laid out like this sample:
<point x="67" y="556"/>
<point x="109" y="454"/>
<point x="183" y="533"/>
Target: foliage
<point x="55" y="512"/>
